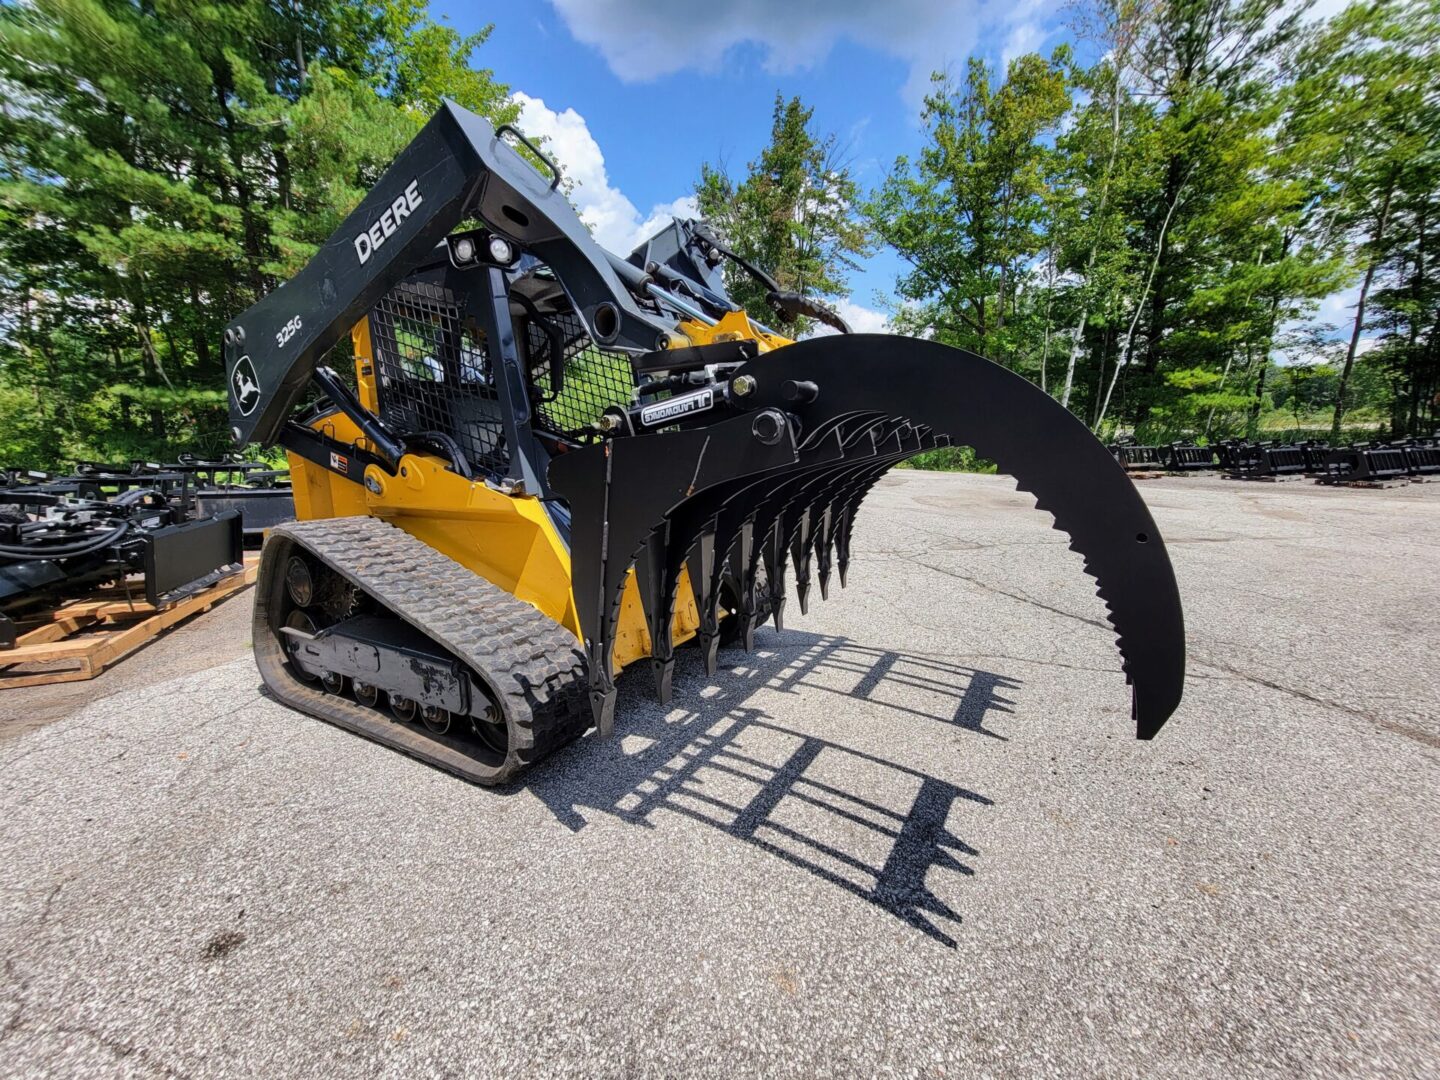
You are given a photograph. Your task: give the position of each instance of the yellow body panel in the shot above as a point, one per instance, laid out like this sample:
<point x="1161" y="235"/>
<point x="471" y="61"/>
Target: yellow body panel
<point x="507" y="539"/>
<point x="733" y="326"/>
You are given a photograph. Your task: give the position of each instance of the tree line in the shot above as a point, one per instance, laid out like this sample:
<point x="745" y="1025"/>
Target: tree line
<point x="163" y="166"/>
<point x="1148" y="236"/>
<point x="1145" y="235"/>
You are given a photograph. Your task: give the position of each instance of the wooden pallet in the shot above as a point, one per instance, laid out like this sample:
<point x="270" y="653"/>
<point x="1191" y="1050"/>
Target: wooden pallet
<point x="79" y="640"/>
<point x="1372" y="485"/>
<point x="1282" y="478"/>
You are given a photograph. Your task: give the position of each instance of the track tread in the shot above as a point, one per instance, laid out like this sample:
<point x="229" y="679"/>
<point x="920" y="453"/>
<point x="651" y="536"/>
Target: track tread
<point x="534" y="665"/>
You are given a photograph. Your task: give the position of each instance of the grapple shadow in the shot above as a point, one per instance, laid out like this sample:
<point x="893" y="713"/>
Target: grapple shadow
<point x="872" y="827"/>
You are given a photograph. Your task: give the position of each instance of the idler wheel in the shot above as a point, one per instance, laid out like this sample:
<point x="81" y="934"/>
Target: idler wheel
<point x="299" y="582"/>
<point x="435" y="718"/>
<point x="489" y="727"/>
<point x="298" y="620"/>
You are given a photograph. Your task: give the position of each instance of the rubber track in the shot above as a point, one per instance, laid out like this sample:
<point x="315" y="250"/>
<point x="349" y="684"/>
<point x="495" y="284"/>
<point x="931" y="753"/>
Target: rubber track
<point x="533" y="665"/>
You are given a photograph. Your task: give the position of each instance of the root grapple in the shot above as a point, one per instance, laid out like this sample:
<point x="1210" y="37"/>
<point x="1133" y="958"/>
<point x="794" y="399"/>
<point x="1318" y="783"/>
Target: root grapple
<point x="611" y="441"/>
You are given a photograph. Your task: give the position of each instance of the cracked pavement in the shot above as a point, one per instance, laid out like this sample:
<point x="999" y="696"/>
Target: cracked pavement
<point x="909" y="836"/>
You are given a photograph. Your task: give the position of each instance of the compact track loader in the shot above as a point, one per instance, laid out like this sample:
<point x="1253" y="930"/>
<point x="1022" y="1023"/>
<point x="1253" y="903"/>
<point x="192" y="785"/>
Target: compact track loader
<point x="554" y="463"/>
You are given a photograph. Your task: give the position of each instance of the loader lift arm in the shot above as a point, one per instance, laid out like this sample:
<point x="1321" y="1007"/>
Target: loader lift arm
<point x="458" y="167"/>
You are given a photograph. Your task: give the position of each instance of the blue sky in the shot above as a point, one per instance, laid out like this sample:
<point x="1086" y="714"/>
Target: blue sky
<point x="657" y="88"/>
<point x="633" y="95"/>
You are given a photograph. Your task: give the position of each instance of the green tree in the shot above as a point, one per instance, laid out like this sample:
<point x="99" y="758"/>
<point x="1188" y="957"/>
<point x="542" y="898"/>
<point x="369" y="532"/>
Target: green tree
<point x="1097" y="185"/>
<point x="1366" y="97"/>
<point x="967" y="214"/>
<point x="162" y="166"/>
<point x="793" y="216"/>
<point x="1221" y="226"/>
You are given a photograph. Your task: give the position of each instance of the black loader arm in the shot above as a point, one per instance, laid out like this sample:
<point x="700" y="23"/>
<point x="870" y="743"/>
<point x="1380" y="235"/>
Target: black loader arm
<point x="456" y="169"/>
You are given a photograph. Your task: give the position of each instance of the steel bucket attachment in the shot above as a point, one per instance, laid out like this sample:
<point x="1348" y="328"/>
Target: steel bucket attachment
<point x="819" y="423"/>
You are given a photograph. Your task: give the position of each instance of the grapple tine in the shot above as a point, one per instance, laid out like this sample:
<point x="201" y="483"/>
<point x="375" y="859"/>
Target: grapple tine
<point x="823" y="539"/>
<point x="650" y="575"/>
<point x="702" y="570"/>
<point x="874" y="448"/>
<point x="1029" y="435"/>
<point x="620" y="492"/>
<point x="800" y="547"/>
<point x="772" y="554"/>
<point x="855" y="494"/>
<point x="744" y="580"/>
<point x="824" y="451"/>
<point x="701" y="516"/>
<point x="811" y="495"/>
<point x="906" y="442"/>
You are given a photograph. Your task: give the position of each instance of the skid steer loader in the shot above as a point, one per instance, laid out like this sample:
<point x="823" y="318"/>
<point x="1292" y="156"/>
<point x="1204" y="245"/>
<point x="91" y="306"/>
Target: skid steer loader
<point x="554" y="463"/>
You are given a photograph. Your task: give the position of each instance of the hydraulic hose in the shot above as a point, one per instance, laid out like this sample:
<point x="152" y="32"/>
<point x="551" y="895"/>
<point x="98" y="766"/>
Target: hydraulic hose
<point x="43" y="551"/>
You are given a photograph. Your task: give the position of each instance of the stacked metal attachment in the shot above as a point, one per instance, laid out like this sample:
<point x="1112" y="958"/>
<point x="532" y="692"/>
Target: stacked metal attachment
<point x="60" y="537"/>
<point x="258" y="492"/>
<point x="1133" y="457"/>
<point x="1422" y="455"/>
<point x="1188" y="457"/>
<point x="1363" y="463"/>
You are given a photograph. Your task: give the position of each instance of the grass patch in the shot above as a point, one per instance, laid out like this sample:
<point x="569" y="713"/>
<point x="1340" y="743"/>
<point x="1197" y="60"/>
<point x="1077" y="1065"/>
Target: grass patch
<point x="949" y="459"/>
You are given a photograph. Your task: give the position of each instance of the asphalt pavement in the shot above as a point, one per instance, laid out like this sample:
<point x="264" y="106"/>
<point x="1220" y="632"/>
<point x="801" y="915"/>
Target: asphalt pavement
<point x="910" y="835"/>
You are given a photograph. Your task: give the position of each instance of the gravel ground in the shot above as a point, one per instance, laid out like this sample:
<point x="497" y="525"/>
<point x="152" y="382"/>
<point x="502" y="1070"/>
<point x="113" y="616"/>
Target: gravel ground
<point x="908" y="836"/>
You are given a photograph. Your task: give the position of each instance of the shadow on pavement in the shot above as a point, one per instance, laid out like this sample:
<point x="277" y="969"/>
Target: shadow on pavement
<point x="872" y="827"/>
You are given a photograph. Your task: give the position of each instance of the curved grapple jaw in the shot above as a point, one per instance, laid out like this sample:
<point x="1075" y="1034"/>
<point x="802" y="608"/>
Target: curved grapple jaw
<point x="777" y="483"/>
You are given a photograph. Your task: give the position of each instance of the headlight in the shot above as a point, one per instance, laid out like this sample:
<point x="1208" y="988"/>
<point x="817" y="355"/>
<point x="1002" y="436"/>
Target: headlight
<point x="501" y="251"/>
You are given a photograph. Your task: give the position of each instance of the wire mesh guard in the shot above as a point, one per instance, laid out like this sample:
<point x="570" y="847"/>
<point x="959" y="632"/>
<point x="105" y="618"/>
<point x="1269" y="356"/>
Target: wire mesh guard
<point x="435" y="374"/>
<point x="590" y="380"/>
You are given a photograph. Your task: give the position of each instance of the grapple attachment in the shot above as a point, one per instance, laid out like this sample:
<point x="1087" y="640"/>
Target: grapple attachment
<point x="518" y="363"/>
<point x="806" y="432"/>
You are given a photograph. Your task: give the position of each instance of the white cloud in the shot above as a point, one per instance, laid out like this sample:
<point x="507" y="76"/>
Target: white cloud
<point x="613" y="218"/>
<point x="1025" y="38"/>
<point x="1337" y="313"/>
<point x="862" y="320"/>
<point x="1339" y="307"/>
<point x="642" y="40"/>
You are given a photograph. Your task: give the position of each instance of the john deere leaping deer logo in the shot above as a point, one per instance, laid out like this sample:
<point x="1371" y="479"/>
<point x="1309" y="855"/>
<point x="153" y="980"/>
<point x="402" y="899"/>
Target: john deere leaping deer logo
<point x="245" y="386"/>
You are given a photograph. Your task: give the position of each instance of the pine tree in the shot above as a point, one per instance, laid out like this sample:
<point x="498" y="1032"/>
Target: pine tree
<point x="163" y="166"/>
<point x="794" y="215"/>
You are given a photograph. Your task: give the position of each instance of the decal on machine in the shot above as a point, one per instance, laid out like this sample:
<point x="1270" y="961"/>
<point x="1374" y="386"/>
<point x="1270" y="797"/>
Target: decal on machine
<point x="671" y="409"/>
<point x="388" y="222"/>
<point x="245" y="386"/>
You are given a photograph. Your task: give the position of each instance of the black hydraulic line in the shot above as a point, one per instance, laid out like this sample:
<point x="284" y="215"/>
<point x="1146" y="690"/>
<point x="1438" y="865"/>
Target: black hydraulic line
<point x="26" y="554"/>
<point x="793" y="303"/>
<point x="430" y="440"/>
<point x="786" y="303"/>
<point x="745" y="264"/>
